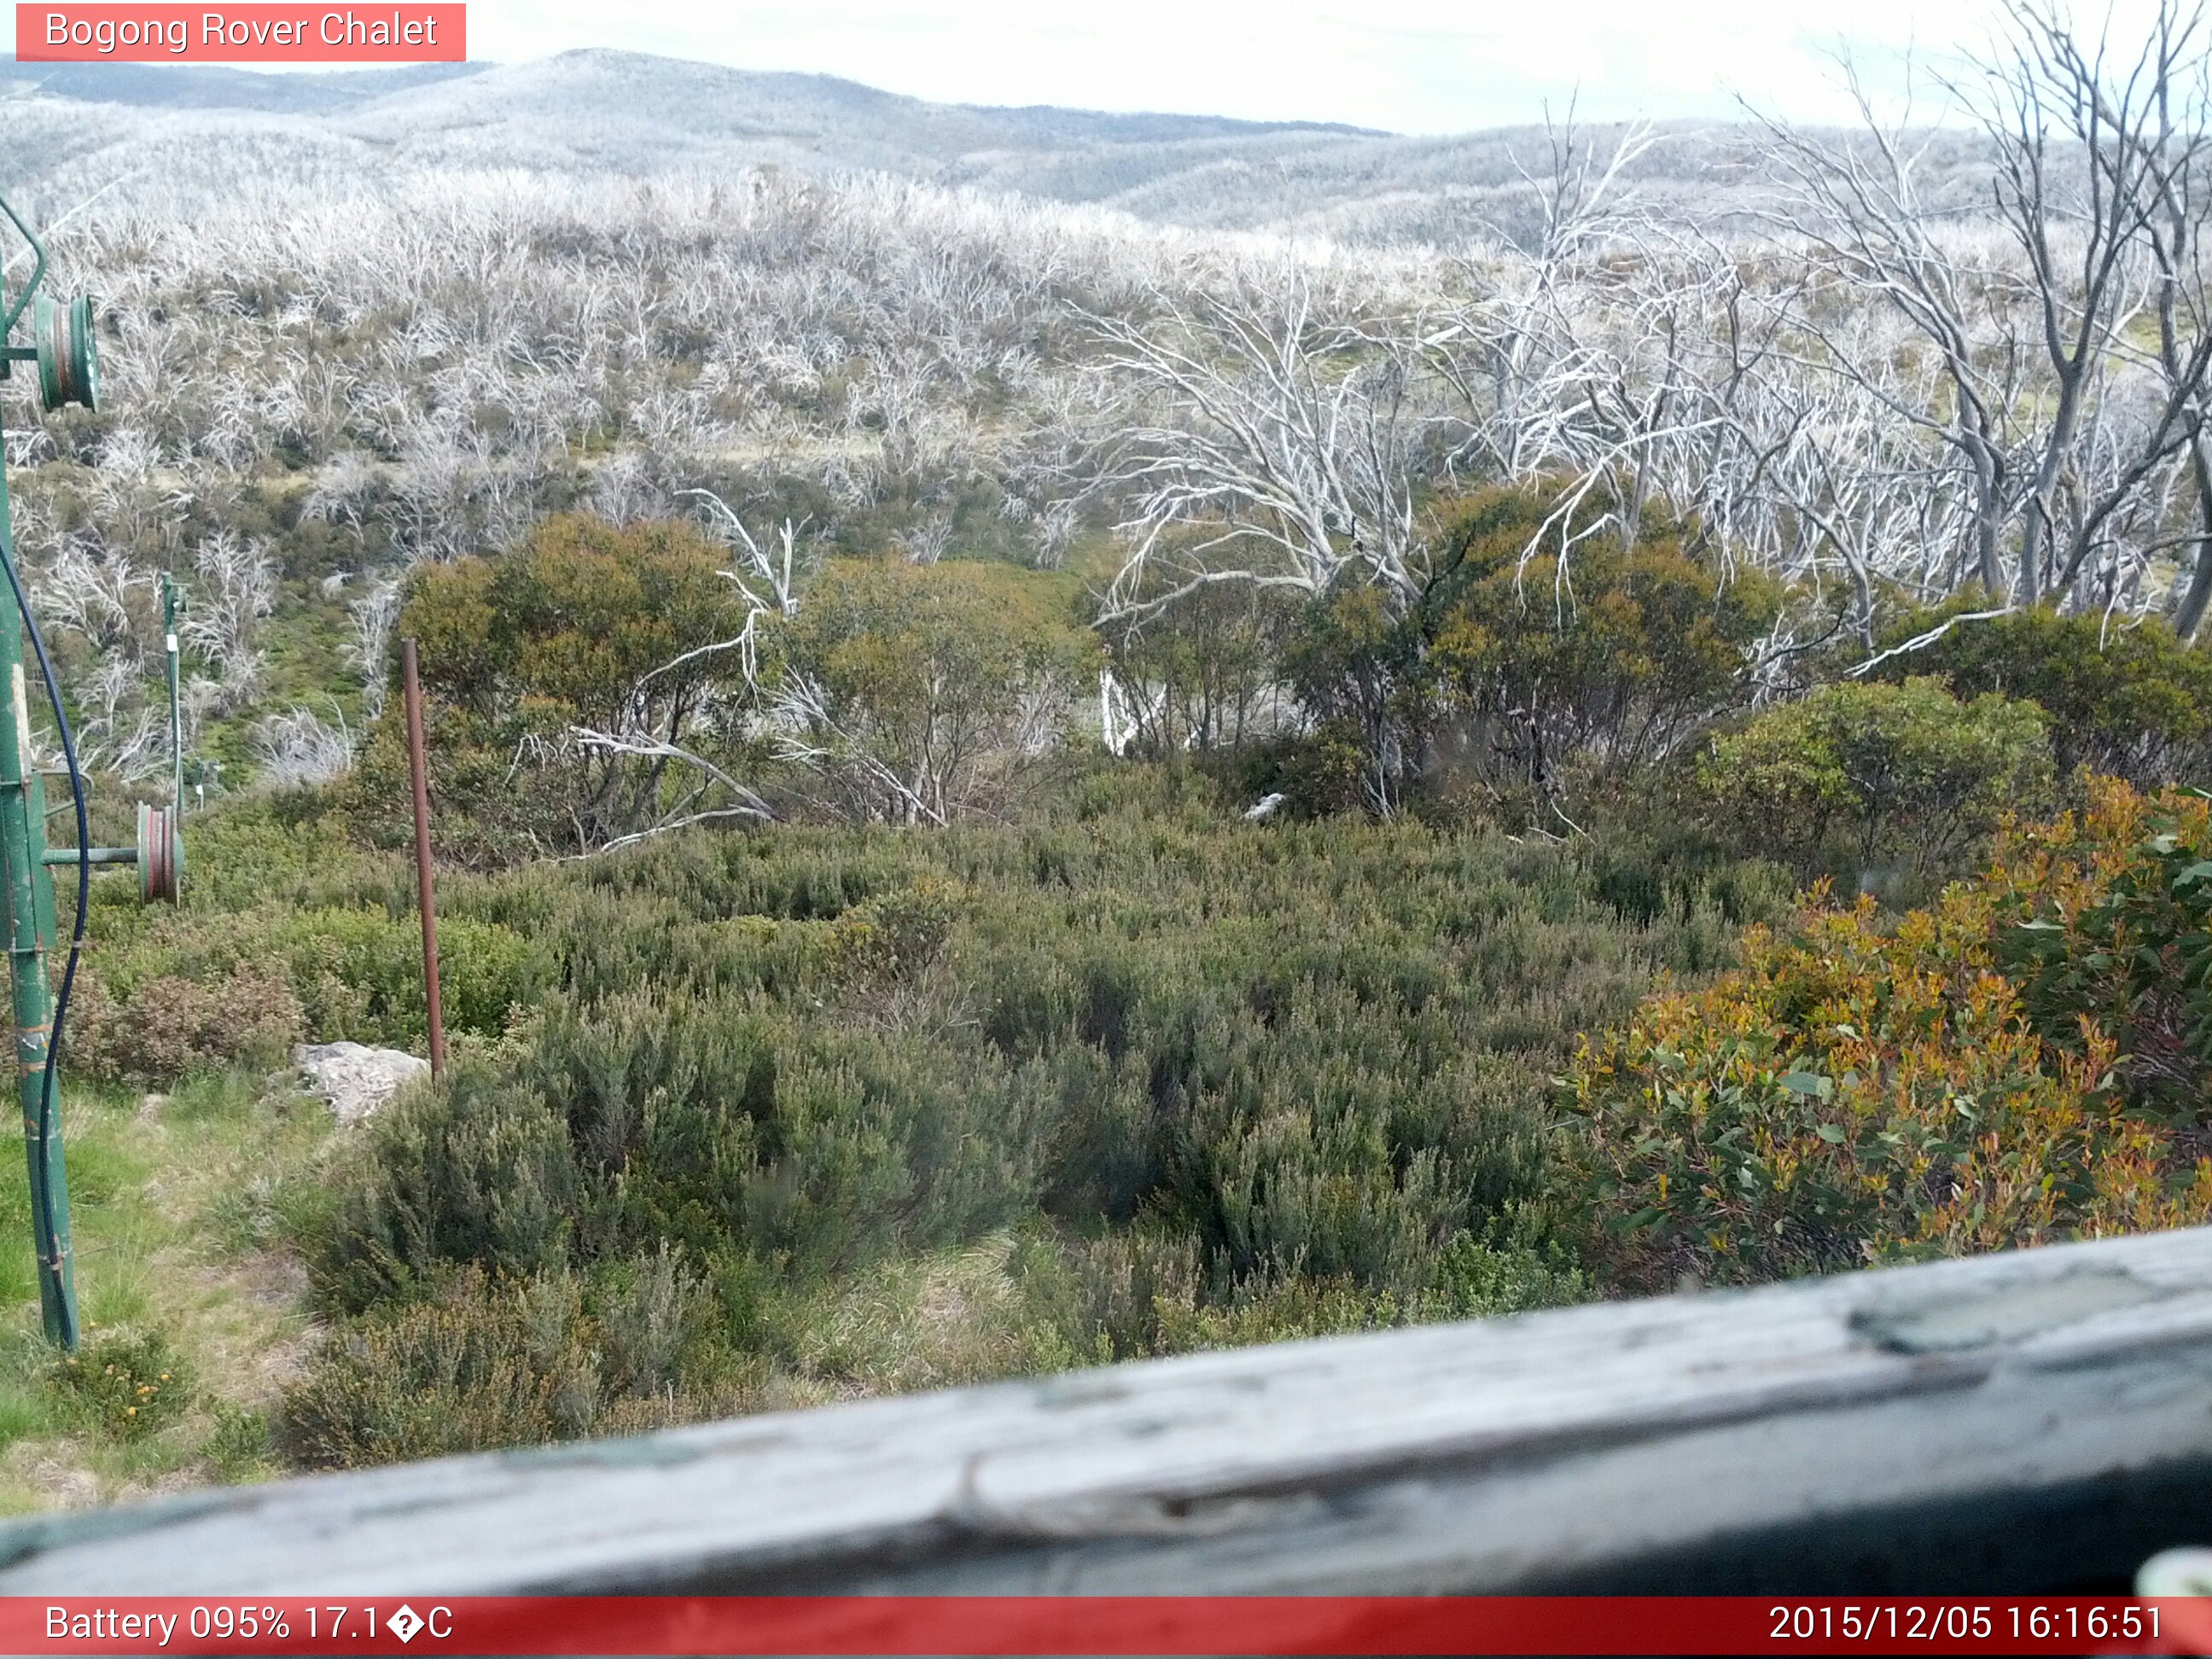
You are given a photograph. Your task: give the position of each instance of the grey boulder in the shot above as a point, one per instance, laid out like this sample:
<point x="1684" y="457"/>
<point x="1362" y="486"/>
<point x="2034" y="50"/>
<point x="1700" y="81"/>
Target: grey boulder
<point x="354" y="1077"/>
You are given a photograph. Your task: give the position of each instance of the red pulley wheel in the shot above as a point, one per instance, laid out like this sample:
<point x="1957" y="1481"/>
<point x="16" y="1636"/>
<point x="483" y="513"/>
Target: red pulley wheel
<point x="160" y="854"/>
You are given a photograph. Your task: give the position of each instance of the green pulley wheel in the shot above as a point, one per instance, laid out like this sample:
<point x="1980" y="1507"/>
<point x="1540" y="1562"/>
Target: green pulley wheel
<point x="69" y="362"/>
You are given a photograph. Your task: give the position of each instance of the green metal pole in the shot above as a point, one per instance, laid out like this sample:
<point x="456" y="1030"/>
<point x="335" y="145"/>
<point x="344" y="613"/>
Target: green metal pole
<point x="30" y="926"/>
<point x="176" y="712"/>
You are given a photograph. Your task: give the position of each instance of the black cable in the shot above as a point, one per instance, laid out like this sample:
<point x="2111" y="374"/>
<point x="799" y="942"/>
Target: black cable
<point x="49" y="1261"/>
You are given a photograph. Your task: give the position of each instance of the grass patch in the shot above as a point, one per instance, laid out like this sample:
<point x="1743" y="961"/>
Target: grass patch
<point x="192" y="1304"/>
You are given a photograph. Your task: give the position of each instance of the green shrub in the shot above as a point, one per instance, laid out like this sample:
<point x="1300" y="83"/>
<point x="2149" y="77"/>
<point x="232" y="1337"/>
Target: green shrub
<point x="1550" y="670"/>
<point x="2110" y="930"/>
<point x="483" y="1362"/>
<point x="359" y="974"/>
<point x="1890" y="771"/>
<point x="1125" y="1295"/>
<point x="171" y="1026"/>
<point x="702" y="1122"/>
<point x="1146" y="1291"/>
<point x="972" y="1314"/>
<point x="649" y="1318"/>
<point x="1358" y="663"/>
<point x="565" y="630"/>
<point x="933" y="689"/>
<point x="2132" y="702"/>
<point x="1533" y="676"/>
<point x="127" y="1385"/>
<point x="1320" y="772"/>
<point x="479" y="1171"/>
<point x="242" y="1447"/>
<point x="1219" y="1082"/>
<point x="1202" y="672"/>
<point x="1479" y="1276"/>
<point x="893" y="937"/>
<point x="352" y="973"/>
<point x="479" y="1367"/>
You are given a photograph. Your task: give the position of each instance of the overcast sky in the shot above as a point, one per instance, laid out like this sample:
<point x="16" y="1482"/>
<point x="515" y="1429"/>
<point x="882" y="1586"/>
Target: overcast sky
<point x="1411" y="66"/>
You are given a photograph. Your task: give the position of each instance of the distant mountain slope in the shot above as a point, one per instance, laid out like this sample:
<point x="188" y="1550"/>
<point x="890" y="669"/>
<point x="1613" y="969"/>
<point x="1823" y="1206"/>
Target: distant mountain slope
<point x="634" y="112"/>
<point x="206" y="85"/>
<point x="595" y="110"/>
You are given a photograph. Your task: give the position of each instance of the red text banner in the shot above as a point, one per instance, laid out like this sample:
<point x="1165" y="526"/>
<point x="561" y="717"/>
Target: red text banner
<point x="259" y="33"/>
<point x="1131" y="1625"/>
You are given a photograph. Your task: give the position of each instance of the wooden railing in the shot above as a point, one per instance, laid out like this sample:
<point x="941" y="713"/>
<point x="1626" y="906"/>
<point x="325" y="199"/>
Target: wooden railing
<point x="2031" y="1422"/>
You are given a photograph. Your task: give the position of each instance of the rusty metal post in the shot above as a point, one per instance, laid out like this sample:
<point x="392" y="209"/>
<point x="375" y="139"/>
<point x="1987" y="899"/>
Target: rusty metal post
<point x="416" y="764"/>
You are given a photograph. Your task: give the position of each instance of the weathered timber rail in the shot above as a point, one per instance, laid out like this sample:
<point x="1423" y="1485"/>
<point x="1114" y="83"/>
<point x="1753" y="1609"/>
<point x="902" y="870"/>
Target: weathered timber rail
<point x="2030" y="1422"/>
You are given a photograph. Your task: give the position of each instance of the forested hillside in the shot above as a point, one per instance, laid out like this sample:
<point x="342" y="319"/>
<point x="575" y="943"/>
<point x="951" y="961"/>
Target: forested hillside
<point x="1021" y="782"/>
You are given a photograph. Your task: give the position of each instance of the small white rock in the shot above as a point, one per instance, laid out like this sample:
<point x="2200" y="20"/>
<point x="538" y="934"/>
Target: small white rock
<point x="1266" y="808"/>
<point x="354" y="1077"/>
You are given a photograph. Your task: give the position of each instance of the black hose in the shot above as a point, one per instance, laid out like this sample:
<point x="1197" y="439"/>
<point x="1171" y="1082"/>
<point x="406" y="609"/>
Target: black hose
<point x="50" y="1259"/>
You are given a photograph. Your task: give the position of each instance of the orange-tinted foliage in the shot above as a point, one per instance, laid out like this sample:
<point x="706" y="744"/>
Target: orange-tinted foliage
<point x="1856" y="1092"/>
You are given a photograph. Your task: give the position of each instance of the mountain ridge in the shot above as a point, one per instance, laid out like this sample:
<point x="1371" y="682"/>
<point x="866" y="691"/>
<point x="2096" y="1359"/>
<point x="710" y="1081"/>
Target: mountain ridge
<point x="208" y="86"/>
<point x="601" y="110"/>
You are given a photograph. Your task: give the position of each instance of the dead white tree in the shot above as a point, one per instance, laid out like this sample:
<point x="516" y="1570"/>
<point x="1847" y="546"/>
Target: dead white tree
<point x="695" y="804"/>
<point x="2055" y="422"/>
<point x="2163" y="151"/>
<point x="237" y="589"/>
<point x="1859" y="209"/>
<point x="2088" y="153"/>
<point x="298" y="749"/>
<point x="374" y="615"/>
<point x="1535" y="346"/>
<point x="767" y="578"/>
<point x="1280" y="434"/>
<point x="118" y="730"/>
<point x="926" y="762"/>
<point x="927" y="540"/>
<point x="673" y="703"/>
